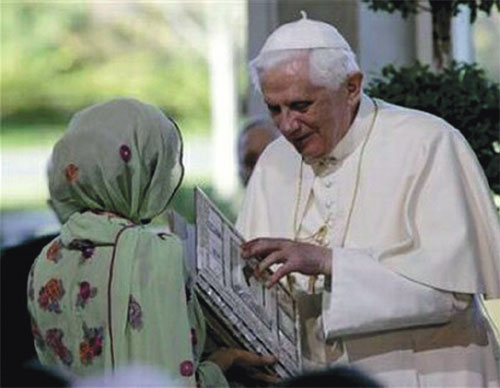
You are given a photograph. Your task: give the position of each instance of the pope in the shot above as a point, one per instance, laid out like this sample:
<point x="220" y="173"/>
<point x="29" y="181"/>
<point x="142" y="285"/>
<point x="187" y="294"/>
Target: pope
<point x="379" y="218"/>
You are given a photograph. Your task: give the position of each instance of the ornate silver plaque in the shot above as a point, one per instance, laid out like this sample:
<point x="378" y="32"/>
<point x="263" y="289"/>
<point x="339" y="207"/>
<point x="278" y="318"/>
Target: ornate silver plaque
<point x="259" y="319"/>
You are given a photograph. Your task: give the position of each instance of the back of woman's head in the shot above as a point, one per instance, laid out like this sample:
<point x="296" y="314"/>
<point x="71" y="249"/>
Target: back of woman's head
<point x="121" y="156"/>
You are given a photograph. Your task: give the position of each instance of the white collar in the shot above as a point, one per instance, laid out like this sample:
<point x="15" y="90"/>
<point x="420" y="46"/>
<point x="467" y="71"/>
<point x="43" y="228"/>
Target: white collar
<point x="357" y="131"/>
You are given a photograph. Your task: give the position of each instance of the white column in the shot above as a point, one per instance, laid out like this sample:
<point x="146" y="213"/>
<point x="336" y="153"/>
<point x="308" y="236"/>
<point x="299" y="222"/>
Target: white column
<point x="223" y="97"/>
<point x="262" y="20"/>
<point x="462" y="48"/>
<point x="423" y="37"/>
<point x="384" y="39"/>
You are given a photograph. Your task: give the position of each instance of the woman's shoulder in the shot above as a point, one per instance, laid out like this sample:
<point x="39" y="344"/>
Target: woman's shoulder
<point x="155" y="235"/>
<point x="158" y="242"/>
<point x="161" y="254"/>
<point x="50" y="253"/>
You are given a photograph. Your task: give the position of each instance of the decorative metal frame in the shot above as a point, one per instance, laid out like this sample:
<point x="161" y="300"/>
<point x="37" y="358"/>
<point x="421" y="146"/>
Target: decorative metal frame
<point x="241" y="308"/>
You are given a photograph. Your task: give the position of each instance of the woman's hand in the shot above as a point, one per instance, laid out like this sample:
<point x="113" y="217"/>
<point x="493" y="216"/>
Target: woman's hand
<point x="225" y="358"/>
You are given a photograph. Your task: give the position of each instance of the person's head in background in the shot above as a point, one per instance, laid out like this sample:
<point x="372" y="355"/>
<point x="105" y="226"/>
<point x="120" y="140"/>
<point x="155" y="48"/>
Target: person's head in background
<point x="335" y="376"/>
<point x="254" y="137"/>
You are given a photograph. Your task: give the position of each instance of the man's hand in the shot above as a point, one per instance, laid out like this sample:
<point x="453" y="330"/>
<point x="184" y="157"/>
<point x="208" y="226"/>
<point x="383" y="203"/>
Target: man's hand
<point x="305" y="258"/>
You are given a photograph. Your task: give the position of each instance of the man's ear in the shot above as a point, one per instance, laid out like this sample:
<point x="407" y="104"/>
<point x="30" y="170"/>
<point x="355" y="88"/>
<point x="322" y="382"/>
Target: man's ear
<point x="354" y="87"/>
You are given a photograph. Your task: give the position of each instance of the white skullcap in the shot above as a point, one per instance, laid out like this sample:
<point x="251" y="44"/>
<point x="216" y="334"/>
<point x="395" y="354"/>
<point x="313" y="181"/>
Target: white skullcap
<point x="305" y="34"/>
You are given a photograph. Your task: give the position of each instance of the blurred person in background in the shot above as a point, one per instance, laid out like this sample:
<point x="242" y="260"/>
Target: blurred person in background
<point x="108" y="291"/>
<point x="337" y="376"/>
<point x="253" y="139"/>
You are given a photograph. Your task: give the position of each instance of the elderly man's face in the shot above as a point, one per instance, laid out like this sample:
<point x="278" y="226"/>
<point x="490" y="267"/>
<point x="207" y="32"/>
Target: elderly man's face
<point x="313" y="118"/>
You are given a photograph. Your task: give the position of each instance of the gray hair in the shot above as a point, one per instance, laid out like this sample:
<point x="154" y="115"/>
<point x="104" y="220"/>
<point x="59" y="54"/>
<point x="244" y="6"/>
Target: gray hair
<point x="328" y="67"/>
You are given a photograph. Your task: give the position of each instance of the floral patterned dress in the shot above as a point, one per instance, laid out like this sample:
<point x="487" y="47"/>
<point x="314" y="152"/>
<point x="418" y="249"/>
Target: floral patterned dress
<point x="108" y="293"/>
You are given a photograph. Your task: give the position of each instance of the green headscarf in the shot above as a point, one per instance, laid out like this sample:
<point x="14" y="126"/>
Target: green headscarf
<point x="108" y="292"/>
<point x="121" y="156"/>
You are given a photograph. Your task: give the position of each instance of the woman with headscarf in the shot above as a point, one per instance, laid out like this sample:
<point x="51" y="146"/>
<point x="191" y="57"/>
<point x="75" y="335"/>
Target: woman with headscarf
<point x="108" y="292"/>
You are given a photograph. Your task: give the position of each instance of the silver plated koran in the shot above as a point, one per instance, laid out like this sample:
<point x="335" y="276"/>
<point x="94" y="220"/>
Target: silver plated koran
<point x="240" y="309"/>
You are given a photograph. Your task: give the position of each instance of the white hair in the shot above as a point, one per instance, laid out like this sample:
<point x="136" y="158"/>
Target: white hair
<point x="328" y="67"/>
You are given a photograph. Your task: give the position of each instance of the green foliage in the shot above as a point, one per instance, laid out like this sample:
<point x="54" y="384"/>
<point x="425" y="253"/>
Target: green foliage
<point x="23" y="137"/>
<point x="58" y="58"/>
<point x="461" y="95"/>
<point x="408" y="7"/>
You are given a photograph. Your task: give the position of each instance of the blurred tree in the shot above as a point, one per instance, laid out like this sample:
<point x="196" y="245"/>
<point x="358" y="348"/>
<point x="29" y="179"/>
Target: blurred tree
<point x="58" y="58"/>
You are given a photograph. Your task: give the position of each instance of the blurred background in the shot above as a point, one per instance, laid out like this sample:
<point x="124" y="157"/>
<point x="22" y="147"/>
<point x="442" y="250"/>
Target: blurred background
<point x="187" y="57"/>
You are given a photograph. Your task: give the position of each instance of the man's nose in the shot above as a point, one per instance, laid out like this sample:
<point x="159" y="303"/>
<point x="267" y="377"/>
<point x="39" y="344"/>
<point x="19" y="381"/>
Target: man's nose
<point x="289" y="122"/>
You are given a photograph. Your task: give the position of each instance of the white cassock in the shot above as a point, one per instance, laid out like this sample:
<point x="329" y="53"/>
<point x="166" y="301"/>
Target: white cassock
<point x="414" y="233"/>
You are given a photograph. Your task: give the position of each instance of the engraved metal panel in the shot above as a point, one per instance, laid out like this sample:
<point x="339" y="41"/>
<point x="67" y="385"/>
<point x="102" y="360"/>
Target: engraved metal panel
<point x="262" y="320"/>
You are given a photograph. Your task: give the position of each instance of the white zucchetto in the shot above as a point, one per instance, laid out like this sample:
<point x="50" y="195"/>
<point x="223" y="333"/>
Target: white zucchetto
<point x="304" y="34"/>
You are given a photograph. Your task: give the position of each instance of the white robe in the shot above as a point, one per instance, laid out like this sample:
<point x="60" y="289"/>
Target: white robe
<point x="414" y="234"/>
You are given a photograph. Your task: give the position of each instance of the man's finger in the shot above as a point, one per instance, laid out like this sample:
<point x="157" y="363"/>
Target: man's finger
<point x="274" y="258"/>
<point x="281" y="272"/>
<point x="261" y="246"/>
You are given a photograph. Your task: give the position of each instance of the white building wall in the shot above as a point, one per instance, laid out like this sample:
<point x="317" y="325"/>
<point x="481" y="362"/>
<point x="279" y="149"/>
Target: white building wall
<point x="384" y="39"/>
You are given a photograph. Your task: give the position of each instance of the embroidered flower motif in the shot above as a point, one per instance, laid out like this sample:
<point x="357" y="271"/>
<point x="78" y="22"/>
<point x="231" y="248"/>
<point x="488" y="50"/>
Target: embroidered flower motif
<point x="85" y="353"/>
<point x="134" y="314"/>
<point x="86" y="292"/>
<point x="50" y="295"/>
<point x="54" y="340"/>
<point x="54" y="252"/>
<point x="87" y="248"/>
<point x="88" y="252"/>
<point x="91" y="346"/>
<point x="37" y="335"/>
<point x="186" y="368"/>
<point x="125" y="153"/>
<point x="194" y="337"/>
<point x="71" y="172"/>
